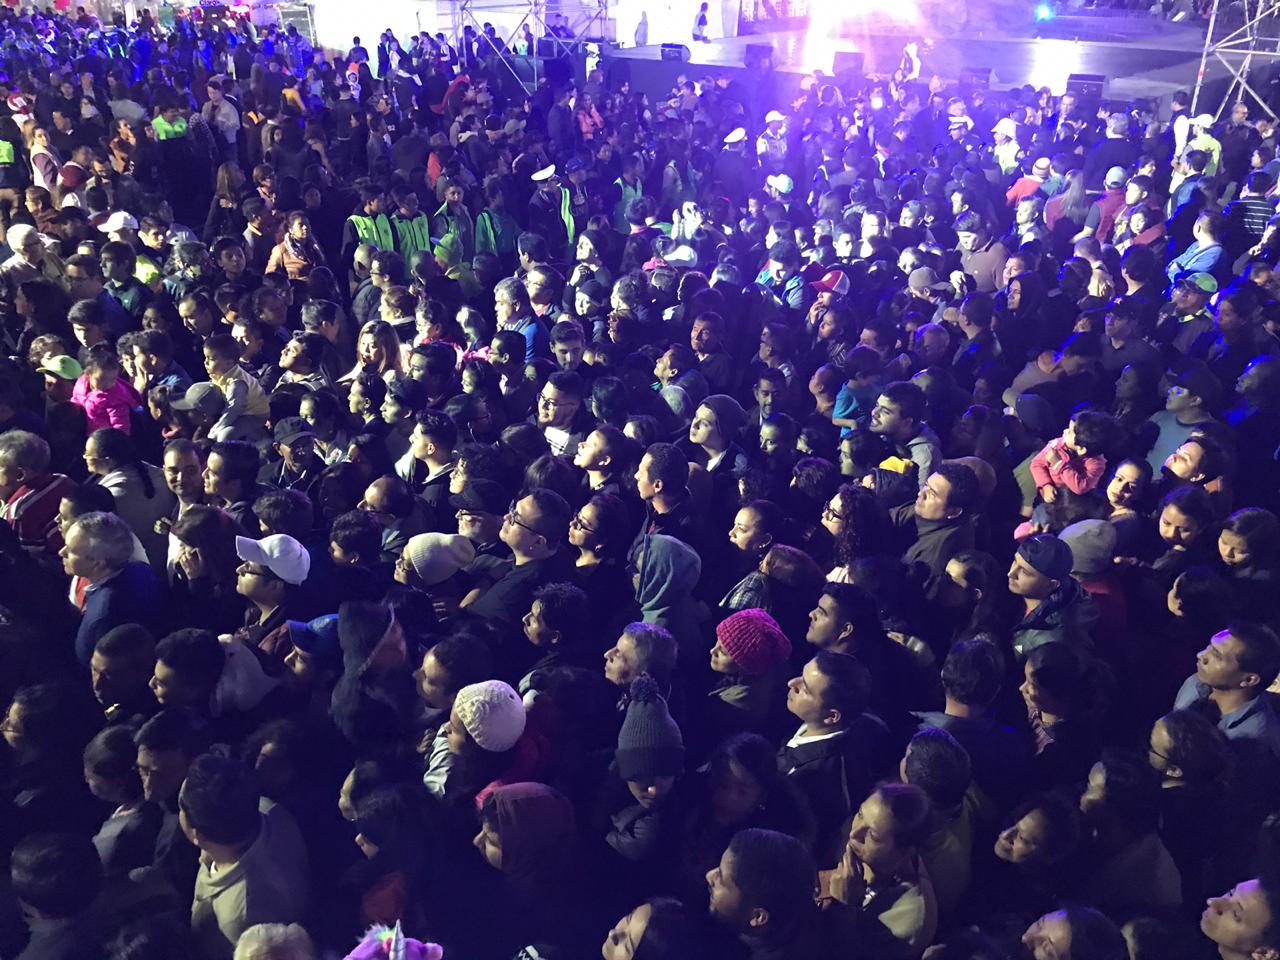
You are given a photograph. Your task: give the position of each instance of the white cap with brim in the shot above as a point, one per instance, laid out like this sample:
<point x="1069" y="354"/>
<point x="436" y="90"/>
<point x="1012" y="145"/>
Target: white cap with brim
<point x="543" y="175"/>
<point x="1203" y="120"/>
<point x="284" y="556"/>
<point x="781" y="182"/>
<point x="120" y="220"/>
<point x="736" y="136"/>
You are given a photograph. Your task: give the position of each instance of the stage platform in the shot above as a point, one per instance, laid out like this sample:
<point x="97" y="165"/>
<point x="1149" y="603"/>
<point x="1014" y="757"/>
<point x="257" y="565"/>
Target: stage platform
<point x="1138" y="55"/>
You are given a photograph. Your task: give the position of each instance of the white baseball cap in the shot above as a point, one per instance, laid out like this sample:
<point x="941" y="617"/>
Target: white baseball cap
<point x="775" y="116"/>
<point x="120" y="220"/>
<point x="284" y="556"/>
<point x="781" y="182"/>
<point x="1007" y="127"/>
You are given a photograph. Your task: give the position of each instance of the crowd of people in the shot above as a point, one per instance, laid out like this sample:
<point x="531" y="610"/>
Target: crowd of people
<point x="522" y="524"/>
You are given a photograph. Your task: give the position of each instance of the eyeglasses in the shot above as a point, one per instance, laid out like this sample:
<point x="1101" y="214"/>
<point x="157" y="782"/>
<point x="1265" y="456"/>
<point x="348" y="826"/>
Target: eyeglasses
<point x="546" y="401"/>
<point x="579" y="524"/>
<point x="831" y="513"/>
<point x="248" y="570"/>
<point x="515" y="518"/>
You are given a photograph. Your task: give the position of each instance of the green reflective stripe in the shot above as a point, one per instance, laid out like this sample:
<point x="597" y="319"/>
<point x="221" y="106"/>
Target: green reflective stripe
<point x="566" y="214"/>
<point x="6" y="152"/>
<point x="376" y="230"/>
<point x="412" y="235"/>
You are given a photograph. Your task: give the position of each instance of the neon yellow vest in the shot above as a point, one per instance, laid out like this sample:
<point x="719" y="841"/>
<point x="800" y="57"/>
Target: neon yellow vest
<point x="376" y="230"/>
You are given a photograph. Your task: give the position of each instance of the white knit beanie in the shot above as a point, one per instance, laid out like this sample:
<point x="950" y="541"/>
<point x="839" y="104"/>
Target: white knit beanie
<point x="493" y="714"/>
<point x="435" y="557"/>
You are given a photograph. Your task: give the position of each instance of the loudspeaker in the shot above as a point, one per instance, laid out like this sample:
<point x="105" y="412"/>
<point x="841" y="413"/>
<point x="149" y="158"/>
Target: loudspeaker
<point x="676" y="51"/>
<point x="758" y="55"/>
<point x="846" y="63"/>
<point x="1086" y="86"/>
<point x="976" y="78"/>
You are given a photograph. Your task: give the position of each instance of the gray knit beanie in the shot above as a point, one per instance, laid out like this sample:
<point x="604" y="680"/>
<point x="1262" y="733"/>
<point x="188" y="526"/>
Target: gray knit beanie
<point x="649" y="743"/>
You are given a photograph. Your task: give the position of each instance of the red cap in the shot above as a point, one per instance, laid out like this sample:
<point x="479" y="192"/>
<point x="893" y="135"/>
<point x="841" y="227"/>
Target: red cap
<point x="836" y="281"/>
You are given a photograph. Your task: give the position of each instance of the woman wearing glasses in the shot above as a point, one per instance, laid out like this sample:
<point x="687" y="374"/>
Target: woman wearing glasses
<point x="859" y="527"/>
<point x="601" y="530"/>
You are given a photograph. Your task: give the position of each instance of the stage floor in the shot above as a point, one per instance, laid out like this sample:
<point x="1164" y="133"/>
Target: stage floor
<point x="1140" y="57"/>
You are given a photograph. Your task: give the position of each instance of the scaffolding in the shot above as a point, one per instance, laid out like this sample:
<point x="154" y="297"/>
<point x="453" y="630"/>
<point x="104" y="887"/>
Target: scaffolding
<point x="588" y="22"/>
<point x="1256" y="36"/>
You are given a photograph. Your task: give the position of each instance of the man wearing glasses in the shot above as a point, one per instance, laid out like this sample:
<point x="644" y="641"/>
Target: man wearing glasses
<point x="533" y="528"/>
<point x="558" y="408"/>
<point x="269" y="576"/>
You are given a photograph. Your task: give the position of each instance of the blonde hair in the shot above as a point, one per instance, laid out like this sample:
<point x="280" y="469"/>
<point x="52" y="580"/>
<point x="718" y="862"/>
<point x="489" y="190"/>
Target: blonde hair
<point x="275" y="941"/>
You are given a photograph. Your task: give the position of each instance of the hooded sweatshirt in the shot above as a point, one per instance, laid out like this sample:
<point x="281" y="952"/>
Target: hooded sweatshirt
<point x="668" y="575"/>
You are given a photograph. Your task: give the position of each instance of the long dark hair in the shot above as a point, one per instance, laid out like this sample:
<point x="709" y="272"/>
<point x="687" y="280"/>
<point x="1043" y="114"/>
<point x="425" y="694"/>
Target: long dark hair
<point x="865" y="525"/>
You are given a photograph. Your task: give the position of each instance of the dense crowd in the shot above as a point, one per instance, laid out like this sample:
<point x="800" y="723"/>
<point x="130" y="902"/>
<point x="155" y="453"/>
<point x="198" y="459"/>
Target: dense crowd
<point x="837" y="527"/>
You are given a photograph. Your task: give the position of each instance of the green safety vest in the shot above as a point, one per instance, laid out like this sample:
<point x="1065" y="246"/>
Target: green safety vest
<point x="620" y="211"/>
<point x="376" y="230"/>
<point x="169" y="131"/>
<point x="412" y="236"/>
<point x="566" y="214"/>
<point x="6" y="152"/>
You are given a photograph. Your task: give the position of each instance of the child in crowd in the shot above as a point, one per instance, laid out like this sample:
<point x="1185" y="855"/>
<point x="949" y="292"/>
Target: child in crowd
<point x="244" y="395"/>
<point x="107" y="398"/>
<point x="1076" y="460"/>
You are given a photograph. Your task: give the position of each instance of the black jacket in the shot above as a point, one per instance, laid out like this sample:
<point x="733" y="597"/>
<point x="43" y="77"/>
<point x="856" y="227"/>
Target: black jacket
<point x="836" y="774"/>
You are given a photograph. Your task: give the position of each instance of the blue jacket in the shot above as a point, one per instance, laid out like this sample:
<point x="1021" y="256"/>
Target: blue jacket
<point x="131" y="596"/>
<point x="1200" y="258"/>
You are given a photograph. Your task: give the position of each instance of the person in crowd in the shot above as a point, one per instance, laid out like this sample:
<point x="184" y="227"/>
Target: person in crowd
<point x="930" y="397"/>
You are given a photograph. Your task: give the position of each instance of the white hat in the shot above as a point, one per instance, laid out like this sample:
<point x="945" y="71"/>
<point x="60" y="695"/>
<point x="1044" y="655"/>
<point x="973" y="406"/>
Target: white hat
<point x="775" y="116"/>
<point x="681" y="256"/>
<point x="1007" y="127"/>
<point x="736" y="135"/>
<point x="284" y="556"/>
<point x="781" y="182"/>
<point x="1204" y="120"/>
<point x="435" y="557"/>
<point x="960" y="121"/>
<point x="545" y="174"/>
<point x="120" y="220"/>
<point x="492" y="713"/>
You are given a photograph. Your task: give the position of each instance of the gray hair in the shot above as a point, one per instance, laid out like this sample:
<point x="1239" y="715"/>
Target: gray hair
<point x="16" y="237"/>
<point x="275" y="941"/>
<point x="513" y="290"/>
<point x="21" y="448"/>
<point x="655" y="649"/>
<point x="110" y="536"/>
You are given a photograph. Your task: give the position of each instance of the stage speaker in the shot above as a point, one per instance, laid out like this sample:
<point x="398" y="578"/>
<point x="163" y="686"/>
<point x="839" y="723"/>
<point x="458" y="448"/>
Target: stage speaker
<point x="1086" y="86"/>
<point x="976" y="78"/>
<point x="849" y="63"/>
<point x="676" y="51"/>
<point x="758" y="56"/>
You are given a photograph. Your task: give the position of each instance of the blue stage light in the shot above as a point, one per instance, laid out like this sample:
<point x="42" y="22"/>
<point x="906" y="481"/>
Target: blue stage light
<point x="1044" y="12"/>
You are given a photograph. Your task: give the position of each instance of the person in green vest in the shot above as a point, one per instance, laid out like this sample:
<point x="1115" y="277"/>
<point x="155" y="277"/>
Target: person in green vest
<point x="496" y="229"/>
<point x="170" y="124"/>
<point x="629" y="188"/>
<point x="454" y="219"/>
<point x="549" y="212"/>
<point x="411" y="225"/>
<point x="369" y="224"/>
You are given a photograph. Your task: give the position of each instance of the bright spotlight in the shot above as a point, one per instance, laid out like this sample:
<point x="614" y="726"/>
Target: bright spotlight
<point x="1044" y="12"/>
